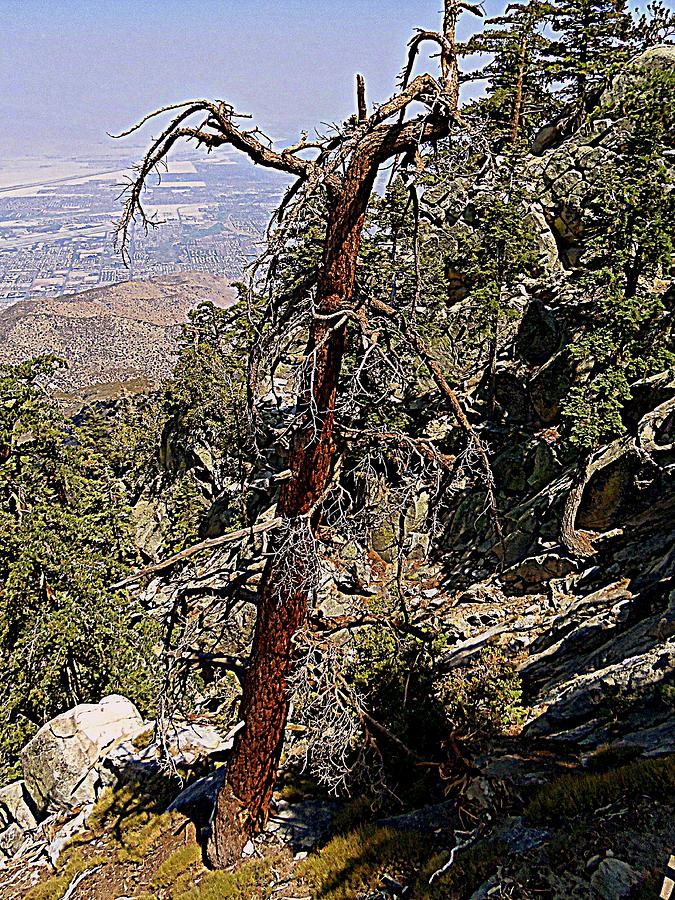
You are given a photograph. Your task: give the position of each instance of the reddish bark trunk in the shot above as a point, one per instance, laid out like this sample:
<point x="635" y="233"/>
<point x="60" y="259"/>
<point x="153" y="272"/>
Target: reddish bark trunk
<point x="242" y="805"/>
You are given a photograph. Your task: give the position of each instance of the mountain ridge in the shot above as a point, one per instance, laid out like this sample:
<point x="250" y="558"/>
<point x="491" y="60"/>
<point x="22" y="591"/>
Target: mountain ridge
<point x="109" y="335"/>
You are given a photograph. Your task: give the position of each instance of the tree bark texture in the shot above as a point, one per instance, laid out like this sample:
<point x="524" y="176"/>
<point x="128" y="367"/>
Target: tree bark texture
<point x="242" y="805"/>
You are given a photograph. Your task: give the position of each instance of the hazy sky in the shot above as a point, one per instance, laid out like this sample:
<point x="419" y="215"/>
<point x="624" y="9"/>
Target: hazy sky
<point x="71" y="70"/>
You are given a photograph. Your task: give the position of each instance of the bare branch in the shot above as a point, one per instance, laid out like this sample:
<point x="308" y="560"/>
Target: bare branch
<point x="436" y="373"/>
<point x="199" y="548"/>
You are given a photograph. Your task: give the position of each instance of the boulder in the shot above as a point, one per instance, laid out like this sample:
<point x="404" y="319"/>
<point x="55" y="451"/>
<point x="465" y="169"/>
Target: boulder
<point x="614" y="879"/>
<point x="60" y="764"/>
<point x="199" y="799"/>
<point x="11" y="840"/>
<point x="15" y="806"/>
<point x="539" y="335"/>
<point x="535" y="571"/>
<point x="190" y="745"/>
<point x="302" y="825"/>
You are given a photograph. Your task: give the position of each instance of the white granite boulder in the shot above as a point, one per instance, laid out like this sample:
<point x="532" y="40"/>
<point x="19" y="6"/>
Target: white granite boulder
<point x="60" y="764"/>
<point x="17" y="820"/>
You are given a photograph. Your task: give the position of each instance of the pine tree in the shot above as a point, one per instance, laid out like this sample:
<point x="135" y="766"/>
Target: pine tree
<point x="655" y="26"/>
<point x="66" y="536"/>
<point x="592" y="39"/>
<point x="494" y="255"/>
<point x="628" y="248"/>
<point x="517" y="87"/>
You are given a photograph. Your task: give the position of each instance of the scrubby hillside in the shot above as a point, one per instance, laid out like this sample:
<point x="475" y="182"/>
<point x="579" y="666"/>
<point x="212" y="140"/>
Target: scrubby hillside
<point x="109" y="335"/>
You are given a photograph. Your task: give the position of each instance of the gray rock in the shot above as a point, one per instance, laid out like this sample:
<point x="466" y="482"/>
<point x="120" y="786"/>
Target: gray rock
<point x="67" y="832"/>
<point x="11" y="840"/>
<point x="15" y="806"/>
<point x="614" y="879"/>
<point x="187" y="743"/>
<point x="428" y="818"/>
<point x="60" y="762"/>
<point x="539" y="334"/>
<point x="586" y="697"/>
<point x="536" y="570"/>
<point x="302" y="825"/>
<point x="200" y="797"/>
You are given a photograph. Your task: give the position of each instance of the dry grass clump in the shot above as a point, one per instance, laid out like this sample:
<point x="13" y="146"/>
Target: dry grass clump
<point x="249" y="882"/>
<point x="470" y="869"/>
<point x="132" y="818"/>
<point x="55" y="887"/>
<point x="180" y="868"/>
<point x="353" y="863"/>
<point x="573" y="795"/>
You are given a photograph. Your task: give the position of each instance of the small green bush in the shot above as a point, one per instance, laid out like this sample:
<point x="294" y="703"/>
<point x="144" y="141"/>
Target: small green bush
<point x="484" y="697"/>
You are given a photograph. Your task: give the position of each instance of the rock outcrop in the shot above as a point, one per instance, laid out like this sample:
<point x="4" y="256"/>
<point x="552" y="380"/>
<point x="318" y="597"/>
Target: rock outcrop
<point x="61" y="763"/>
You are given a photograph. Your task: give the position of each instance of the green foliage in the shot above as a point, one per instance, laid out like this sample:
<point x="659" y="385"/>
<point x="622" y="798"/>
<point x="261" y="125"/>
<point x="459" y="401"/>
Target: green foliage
<point x="517" y="98"/>
<point x="666" y="693"/>
<point x="627" y="248"/>
<point x="484" y="697"/>
<point x="498" y="250"/>
<point x="574" y="795"/>
<point x="408" y="691"/>
<point x="65" y="636"/>
<point x="356" y="812"/>
<point x="204" y="413"/>
<point x="592" y="40"/>
<point x="655" y="26"/>
<point x="402" y="263"/>
<point x="395" y="672"/>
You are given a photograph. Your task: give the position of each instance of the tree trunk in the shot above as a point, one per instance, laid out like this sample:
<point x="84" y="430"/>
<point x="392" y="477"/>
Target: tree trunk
<point x="576" y="543"/>
<point x="518" y="99"/>
<point x="242" y="804"/>
<point x="449" y="69"/>
<point x="492" y="375"/>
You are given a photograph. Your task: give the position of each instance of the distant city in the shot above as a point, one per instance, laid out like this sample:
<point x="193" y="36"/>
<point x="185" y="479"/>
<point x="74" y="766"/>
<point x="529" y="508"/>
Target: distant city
<point x="57" y="219"/>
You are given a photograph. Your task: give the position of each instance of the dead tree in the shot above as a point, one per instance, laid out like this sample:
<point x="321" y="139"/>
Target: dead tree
<point x="342" y="169"/>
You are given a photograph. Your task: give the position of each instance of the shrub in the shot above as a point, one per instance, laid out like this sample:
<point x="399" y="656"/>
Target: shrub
<point x="484" y="697"/>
